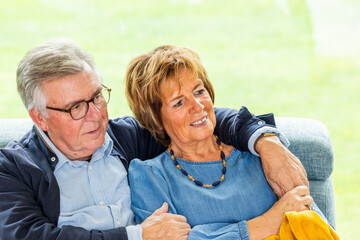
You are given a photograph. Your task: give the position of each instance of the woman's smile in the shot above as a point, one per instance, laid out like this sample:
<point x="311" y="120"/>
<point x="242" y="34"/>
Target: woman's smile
<point x="199" y="123"/>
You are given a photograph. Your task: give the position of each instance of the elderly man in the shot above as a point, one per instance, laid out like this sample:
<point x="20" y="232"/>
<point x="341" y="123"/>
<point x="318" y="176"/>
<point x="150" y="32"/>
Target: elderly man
<point x="67" y="177"/>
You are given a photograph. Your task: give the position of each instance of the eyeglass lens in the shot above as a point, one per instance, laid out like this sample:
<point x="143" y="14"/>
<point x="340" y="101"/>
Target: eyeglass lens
<point x="80" y="110"/>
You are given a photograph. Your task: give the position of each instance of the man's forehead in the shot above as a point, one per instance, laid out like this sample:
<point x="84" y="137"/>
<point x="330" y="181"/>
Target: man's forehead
<point x="72" y="88"/>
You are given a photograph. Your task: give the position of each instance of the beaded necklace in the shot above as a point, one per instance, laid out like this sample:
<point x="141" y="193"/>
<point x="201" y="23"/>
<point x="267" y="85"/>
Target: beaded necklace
<point x="197" y="182"/>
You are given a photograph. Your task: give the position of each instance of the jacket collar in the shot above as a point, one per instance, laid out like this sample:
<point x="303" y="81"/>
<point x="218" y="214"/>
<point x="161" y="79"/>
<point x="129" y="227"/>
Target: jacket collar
<point x="48" y="158"/>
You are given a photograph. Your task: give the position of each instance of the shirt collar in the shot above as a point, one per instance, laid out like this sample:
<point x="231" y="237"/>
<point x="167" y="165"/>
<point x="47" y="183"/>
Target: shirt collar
<point x="103" y="151"/>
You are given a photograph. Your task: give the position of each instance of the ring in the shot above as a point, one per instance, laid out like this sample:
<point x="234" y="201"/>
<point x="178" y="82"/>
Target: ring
<point x="311" y="207"/>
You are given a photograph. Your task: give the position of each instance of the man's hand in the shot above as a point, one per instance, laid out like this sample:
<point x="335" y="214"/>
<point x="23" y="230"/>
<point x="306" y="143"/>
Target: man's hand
<point x="283" y="170"/>
<point x="164" y="225"/>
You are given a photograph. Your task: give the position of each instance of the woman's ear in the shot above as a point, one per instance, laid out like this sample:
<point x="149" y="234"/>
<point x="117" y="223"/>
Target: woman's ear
<point x="38" y="119"/>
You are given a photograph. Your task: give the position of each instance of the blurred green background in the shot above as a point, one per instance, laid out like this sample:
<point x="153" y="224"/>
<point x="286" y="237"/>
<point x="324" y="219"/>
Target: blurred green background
<point x="295" y="58"/>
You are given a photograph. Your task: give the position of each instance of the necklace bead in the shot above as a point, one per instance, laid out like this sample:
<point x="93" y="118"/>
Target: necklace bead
<point x="197" y="182"/>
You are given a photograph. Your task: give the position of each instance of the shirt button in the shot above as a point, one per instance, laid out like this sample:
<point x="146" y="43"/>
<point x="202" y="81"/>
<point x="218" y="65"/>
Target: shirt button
<point x="90" y="167"/>
<point x="101" y="203"/>
<point x="118" y="222"/>
<point x="260" y="122"/>
<point x="53" y="159"/>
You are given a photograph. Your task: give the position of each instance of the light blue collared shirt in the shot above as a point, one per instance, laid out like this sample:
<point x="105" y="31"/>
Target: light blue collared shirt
<point x="95" y="194"/>
<point x="257" y="133"/>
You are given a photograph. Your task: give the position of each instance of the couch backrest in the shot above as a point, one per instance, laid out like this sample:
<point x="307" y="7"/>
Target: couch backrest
<point x="13" y="129"/>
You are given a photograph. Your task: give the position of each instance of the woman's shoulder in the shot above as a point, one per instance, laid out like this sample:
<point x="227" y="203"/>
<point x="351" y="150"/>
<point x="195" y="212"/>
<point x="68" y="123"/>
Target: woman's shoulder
<point x="146" y="172"/>
<point x="156" y="163"/>
<point x="231" y="152"/>
<point x="243" y="156"/>
<point x="236" y="153"/>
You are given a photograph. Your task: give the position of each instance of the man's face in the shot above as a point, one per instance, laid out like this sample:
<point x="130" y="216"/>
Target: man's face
<point x="76" y="139"/>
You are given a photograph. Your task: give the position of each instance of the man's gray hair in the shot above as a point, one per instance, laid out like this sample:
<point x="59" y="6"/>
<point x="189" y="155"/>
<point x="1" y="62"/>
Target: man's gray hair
<point x="53" y="59"/>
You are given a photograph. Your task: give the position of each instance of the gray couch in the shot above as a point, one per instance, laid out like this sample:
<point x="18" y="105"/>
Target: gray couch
<point x="309" y="139"/>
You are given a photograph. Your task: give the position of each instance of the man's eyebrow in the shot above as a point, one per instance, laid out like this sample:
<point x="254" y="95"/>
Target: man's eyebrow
<point x="73" y="103"/>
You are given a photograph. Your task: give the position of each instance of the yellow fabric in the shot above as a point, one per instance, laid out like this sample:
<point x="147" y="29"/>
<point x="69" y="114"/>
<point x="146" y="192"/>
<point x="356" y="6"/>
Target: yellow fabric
<point x="304" y="225"/>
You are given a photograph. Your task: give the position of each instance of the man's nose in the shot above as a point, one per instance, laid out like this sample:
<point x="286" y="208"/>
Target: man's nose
<point x="93" y="111"/>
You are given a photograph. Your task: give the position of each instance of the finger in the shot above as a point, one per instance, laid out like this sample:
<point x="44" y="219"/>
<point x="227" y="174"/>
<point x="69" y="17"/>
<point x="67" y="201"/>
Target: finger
<point x="279" y="192"/>
<point x="304" y="203"/>
<point x="185" y="231"/>
<point x="163" y="209"/>
<point x="302" y="176"/>
<point x="176" y="218"/>
<point x="180" y="233"/>
<point x="306" y="182"/>
<point x="308" y="200"/>
<point x="301" y="171"/>
<point x="311" y="207"/>
<point x="302" y="190"/>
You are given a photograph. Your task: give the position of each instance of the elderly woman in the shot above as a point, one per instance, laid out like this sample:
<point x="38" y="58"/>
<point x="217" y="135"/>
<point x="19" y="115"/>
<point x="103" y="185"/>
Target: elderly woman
<point x="221" y="191"/>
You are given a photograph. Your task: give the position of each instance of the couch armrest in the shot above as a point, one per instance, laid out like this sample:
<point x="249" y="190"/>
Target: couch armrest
<point x="310" y="142"/>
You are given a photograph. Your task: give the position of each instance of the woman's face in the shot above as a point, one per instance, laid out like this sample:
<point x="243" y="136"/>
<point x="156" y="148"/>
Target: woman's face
<point x="187" y="112"/>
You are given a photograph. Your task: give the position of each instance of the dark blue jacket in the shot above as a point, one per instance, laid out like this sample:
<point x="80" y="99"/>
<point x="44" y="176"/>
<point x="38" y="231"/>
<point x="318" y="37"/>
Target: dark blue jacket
<point x="29" y="193"/>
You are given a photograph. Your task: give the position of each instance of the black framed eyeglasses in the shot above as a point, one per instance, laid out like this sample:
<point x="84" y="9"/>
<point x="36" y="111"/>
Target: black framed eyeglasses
<point x="80" y="109"/>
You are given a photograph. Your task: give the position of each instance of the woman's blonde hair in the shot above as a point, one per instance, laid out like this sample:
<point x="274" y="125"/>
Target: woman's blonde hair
<point x="147" y="72"/>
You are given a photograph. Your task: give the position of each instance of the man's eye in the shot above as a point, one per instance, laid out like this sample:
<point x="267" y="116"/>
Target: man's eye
<point x="98" y="97"/>
<point x="76" y="107"/>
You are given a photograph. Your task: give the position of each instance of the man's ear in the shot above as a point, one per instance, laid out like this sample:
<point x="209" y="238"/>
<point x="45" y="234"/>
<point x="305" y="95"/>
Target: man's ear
<point x="38" y="119"/>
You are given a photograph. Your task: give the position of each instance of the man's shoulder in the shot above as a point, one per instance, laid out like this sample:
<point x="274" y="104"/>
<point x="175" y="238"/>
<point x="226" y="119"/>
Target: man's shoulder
<point x="15" y="156"/>
<point x="123" y="123"/>
<point x="126" y="130"/>
<point x="23" y="151"/>
<point x="21" y="144"/>
<point x="122" y="120"/>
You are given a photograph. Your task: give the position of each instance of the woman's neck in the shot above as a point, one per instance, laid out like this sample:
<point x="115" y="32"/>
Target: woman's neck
<point x="199" y="151"/>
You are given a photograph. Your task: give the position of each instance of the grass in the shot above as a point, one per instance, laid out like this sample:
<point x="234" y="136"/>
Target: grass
<point x="257" y="55"/>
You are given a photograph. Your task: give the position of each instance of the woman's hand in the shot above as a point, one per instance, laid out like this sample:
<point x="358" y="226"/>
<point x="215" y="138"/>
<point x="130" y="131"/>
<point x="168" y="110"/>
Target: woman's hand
<point x="269" y="223"/>
<point x="283" y="170"/>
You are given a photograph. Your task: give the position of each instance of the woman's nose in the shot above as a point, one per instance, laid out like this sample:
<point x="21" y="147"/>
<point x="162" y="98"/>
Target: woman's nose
<point x="197" y="106"/>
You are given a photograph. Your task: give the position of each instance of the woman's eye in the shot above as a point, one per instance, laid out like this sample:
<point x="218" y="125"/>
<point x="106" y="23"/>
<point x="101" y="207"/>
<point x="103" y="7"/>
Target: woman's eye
<point x="199" y="92"/>
<point x="178" y="104"/>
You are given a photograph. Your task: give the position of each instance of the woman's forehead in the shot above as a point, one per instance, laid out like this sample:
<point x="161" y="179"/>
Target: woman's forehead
<point x="172" y="85"/>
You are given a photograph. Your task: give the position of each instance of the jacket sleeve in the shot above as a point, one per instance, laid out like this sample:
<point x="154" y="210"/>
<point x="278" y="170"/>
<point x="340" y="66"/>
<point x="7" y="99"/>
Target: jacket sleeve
<point x="22" y="214"/>
<point x="236" y="127"/>
<point x="133" y="140"/>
